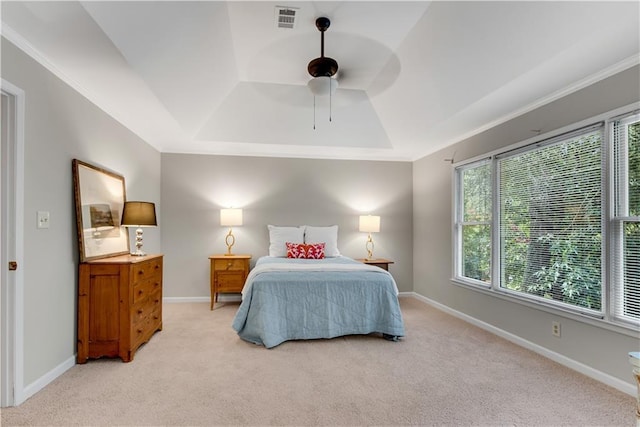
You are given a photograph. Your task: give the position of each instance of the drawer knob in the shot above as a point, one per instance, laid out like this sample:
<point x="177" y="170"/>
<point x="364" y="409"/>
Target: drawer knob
<point x="140" y="311"/>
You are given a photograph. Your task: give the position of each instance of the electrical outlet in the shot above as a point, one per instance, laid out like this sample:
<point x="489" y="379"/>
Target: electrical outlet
<point x="555" y="329"/>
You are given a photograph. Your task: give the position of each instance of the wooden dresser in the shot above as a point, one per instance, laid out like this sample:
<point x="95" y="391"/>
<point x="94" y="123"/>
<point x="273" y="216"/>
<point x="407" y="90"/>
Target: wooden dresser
<point x="119" y="305"/>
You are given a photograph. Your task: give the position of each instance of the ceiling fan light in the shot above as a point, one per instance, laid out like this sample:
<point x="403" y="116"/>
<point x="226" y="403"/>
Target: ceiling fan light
<point x="322" y="86"/>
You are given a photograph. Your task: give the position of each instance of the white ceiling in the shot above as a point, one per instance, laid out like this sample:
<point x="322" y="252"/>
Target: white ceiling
<point x="221" y="78"/>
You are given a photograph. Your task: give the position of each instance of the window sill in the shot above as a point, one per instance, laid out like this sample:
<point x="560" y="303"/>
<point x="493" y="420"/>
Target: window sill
<point x="621" y="328"/>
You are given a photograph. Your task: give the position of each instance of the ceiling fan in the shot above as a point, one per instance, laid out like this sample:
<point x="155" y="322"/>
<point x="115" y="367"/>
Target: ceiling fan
<point x="322" y="69"/>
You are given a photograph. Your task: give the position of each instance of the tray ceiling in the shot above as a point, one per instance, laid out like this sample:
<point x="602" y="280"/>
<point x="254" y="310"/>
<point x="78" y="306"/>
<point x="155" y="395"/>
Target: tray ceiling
<point x="220" y="77"/>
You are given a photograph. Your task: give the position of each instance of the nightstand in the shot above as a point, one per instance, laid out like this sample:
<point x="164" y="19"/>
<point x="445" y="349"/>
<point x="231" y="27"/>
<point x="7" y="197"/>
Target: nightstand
<point x="228" y="274"/>
<point x="378" y="262"/>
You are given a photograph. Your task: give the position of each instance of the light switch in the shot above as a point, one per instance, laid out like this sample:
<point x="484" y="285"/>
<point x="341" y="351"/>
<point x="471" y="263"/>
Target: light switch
<point x="43" y="219"/>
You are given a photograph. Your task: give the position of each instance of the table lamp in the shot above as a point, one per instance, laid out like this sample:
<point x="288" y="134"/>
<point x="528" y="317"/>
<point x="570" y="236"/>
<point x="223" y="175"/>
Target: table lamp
<point x="369" y="224"/>
<point x="139" y="214"/>
<point x="229" y="218"/>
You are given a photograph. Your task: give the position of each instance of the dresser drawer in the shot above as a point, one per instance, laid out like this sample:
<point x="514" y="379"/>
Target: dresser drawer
<point x="142" y="290"/>
<point x="146" y="270"/>
<point x="142" y="310"/>
<point x="230" y="281"/>
<point x="229" y="265"/>
<point x="143" y="330"/>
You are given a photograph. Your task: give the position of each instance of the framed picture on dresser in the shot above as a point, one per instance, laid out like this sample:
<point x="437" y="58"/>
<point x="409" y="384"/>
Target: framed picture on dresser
<point x="99" y="200"/>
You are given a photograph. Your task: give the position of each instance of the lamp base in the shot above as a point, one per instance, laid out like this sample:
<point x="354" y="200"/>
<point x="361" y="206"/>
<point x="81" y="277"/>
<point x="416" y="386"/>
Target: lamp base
<point x="369" y="247"/>
<point x="139" y="251"/>
<point x="229" y="240"/>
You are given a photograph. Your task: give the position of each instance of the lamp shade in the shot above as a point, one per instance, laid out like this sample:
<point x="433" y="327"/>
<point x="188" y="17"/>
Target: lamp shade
<point x="322" y="85"/>
<point x="139" y="214"/>
<point x="370" y="223"/>
<point x="230" y="217"/>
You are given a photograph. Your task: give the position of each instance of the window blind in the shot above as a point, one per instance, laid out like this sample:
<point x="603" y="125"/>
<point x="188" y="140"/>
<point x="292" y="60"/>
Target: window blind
<point x="550" y="219"/>
<point x="534" y="221"/>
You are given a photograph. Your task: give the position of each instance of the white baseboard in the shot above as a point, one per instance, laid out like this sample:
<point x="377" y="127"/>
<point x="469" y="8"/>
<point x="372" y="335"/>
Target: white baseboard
<point x="607" y="379"/>
<point x="221" y="298"/>
<point x="185" y="299"/>
<point x="22" y="395"/>
<point x="630" y="389"/>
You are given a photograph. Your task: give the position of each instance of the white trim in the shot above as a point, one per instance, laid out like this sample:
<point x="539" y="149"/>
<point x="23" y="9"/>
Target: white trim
<point x="14" y="37"/>
<point x="44" y="380"/>
<point x="607" y="379"/>
<point x="174" y="300"/>
<point x="7" y="279"/>
<point x="606" y="317"/>
<point x="618" y="203"/>
<point x="603" y="117"/>
<point x="614" y="69"/>
<point x="18" y="294"/>
<point x="547" y="306"/>
<point x="221" y="298"/>
<point x="600" y="376"/>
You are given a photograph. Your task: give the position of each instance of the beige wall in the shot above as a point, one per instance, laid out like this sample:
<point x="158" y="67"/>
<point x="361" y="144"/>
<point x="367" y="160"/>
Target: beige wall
<point x="281" y="192"/>
<point x="62" y="125"/>
<point x="414" y="201"/>
<point x="593" y="346"/>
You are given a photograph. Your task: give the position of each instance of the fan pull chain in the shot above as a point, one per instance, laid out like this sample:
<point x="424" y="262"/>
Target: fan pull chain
<point x="314" y="112"/>
<point x="330" y="97"/>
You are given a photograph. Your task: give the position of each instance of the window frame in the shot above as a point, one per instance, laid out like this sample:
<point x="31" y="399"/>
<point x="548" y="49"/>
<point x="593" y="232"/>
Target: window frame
<point x="459" y="223"/>
<point x="607" y="317"/>
<point x="618" y="202"/>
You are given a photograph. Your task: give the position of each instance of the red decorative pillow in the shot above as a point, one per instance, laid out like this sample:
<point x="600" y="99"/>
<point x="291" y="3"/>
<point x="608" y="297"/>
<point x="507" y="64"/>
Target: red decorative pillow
<point x="295" y="250"/>
<point x="315" y="250"/>
<point x="305" y="251"/>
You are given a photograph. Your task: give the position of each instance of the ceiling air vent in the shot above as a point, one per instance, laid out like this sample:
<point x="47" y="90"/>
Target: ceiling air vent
<point x="286" y="17"/>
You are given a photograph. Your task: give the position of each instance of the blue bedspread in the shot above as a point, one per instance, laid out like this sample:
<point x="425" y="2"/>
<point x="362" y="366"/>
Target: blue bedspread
<point x="316" y="299"/>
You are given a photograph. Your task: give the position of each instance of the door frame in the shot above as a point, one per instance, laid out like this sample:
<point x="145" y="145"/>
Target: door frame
<point x="12" y="226"/>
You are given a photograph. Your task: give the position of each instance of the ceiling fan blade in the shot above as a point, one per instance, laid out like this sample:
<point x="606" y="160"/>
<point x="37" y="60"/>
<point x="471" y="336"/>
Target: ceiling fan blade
<point x="350" y="79"/>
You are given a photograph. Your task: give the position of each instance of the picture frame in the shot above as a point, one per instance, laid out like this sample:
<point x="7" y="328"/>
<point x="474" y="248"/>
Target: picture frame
<point x="99" y="200"/>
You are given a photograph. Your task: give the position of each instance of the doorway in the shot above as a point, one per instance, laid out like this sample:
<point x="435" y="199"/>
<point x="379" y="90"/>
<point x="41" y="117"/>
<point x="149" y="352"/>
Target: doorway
<point x="11" y="208"/>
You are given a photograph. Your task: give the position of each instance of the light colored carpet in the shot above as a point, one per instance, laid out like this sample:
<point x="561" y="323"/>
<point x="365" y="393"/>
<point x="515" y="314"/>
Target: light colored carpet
<point x="444" y="372"/>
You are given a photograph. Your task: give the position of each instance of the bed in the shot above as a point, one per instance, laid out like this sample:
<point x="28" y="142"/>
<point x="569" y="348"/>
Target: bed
<point x="293" y="299"/>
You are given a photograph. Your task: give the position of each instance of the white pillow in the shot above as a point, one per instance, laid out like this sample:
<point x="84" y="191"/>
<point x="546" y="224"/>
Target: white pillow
<point x="326" y="235"/>
<point x="279" y="236"/>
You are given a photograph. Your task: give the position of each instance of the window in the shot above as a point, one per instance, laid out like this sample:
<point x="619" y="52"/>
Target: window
<point x="625" y="134"/>
<point x="474" y="222"/>
<point x="550" y="198"/>
<point x="557" y="222"/>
